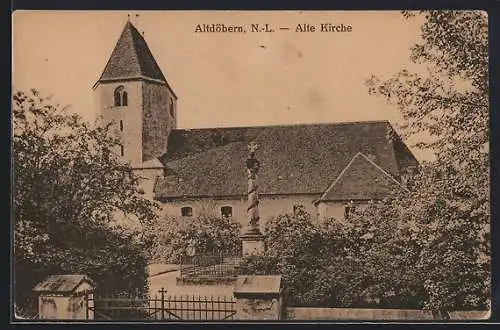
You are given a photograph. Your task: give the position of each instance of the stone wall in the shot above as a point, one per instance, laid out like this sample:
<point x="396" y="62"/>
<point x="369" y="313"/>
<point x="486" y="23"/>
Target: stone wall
<point x="367" y="314"/>
<point x="157" y="121"/>
<point x="258" y="309"/>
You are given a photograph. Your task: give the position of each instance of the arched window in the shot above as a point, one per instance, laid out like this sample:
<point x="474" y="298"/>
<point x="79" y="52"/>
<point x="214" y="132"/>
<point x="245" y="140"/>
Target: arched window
<point x="226" y="212"/>
<point x="117" y="99"/>
<point x="120" y="96"/>
<point x="171" y="108"/>
<point x="121" y="125"/>
<point x="122" y="150"/>
<point x="187" y="211"/>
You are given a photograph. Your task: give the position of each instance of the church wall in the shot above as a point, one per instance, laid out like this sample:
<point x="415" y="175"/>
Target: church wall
<point x="157" y="120"/>
<point x="147" y="178"/>
<point x="331" y="210"/>
<point x="336" y="209"/>
<point x="268" y="207"/>
<point x="130" y="115"/>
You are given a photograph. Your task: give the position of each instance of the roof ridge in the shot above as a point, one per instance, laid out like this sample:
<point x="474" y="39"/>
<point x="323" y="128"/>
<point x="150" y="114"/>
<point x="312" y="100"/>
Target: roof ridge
<point x="339" y="176"/>
<point x="382" y="170"/>
<point x="135" y="45"/>
<point x="384" y="121"/>
<point x="347" y="167"/>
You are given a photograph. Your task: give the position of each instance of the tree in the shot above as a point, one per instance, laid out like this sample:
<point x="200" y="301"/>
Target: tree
<point x="449" y="205"/>
<point x="427" y="247"/>
<point x="171" y="238"/>
<point x="70" y="192"/>
<point x="297" y="249"/>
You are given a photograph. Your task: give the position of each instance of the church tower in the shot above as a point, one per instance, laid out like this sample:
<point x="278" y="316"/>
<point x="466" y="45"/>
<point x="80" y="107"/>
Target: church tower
<point x="133" y="93"/>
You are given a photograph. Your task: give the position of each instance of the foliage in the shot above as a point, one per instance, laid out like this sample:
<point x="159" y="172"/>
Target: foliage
<point x="173" y="237"/>
<point x="388" y="255"/>
<point x="449" y="205"/>
<point x="450" y="101"/>
<point x="70" y="191"/>
<point x="422" y="249"/>
<point x="295" y="248"/>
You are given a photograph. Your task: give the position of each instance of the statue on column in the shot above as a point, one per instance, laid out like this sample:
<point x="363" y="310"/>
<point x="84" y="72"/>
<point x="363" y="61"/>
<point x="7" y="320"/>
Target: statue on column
<point x="253" y="166"/>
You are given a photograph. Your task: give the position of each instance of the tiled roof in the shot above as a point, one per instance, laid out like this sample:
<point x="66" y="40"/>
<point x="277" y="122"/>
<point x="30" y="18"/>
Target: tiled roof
<point x="131" y="58"/>
<point x="61" y="283"/>
<point x="361" y="179"/>
<point x="295" y="159"/>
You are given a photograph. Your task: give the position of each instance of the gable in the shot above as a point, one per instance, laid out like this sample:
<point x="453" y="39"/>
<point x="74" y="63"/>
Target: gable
<point x="295" y="159"/>
<point x="361" y="179"/>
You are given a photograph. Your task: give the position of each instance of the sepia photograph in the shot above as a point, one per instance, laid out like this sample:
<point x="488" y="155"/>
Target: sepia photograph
<point x="226" y="166"/>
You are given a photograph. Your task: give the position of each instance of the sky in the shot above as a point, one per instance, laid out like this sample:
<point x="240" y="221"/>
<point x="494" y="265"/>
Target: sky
<point x="221" y="79"/>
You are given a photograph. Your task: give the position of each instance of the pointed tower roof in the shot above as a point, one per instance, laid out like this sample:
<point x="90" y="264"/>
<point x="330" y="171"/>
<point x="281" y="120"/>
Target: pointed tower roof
<point x="131" y="59"/>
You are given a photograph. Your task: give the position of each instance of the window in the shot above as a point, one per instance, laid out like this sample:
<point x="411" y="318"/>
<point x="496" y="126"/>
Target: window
<point x="298" y="209"/>
<point x="124" y="98"/>
<point x="121" y="97"/>
<point x="122" y="150"/>
<point x="348" y="211"/>
<point x="187" y="211"/>
<point x="226" y="212"/>
<point x="117" y="99"/>
<point x="121" y="125"/>
<point x="171" y="108"/>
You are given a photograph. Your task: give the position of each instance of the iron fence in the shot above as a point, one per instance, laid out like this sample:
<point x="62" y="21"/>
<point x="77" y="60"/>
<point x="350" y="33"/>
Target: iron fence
<point x="210" y="265"/>
<point x="163" y="307"/>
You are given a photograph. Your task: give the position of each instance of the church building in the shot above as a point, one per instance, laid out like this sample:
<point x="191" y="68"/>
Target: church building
<point x="327" y="168"/>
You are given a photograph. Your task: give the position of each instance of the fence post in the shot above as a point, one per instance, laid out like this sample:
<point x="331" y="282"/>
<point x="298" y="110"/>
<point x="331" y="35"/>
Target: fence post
<point x="180" y="265"/>
<point x="86" y="293"/>
<point x="156" y="309"/>
<point x="162" y="291"/>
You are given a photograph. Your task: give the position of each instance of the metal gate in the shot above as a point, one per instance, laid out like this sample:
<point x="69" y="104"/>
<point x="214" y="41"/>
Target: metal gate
<point x="161" y="307"/>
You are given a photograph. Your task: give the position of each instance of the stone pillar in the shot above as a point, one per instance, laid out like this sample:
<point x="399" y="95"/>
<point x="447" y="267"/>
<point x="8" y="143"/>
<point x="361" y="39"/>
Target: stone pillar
<point x="252" y="238"/>
<point x="65" y="297"/>
<point x="258" y="297"/>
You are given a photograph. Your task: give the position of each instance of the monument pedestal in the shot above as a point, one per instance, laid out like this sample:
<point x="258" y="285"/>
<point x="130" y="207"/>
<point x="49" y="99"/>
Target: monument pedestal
<point x="258" y="297"/>
<point x="252" y="242"/>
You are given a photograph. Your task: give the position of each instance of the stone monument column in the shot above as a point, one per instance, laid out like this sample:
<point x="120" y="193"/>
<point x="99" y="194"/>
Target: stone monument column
<point x="252" y="238"/>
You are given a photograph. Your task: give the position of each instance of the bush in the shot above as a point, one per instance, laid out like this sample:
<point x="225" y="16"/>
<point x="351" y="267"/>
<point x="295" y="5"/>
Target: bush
<point x="297" y="248"/>
<point x="173" y="237"/>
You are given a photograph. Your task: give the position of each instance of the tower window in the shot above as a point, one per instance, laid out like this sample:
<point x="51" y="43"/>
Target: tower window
<point x="120" y="97"/>
<point x="226" y="212"/>
<point x="124" y="98"/>
<point x="187" y="211"/>
<point x="122" y="150"/>
<point x="117" y="99"/>
<point x="121" y="125"/>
